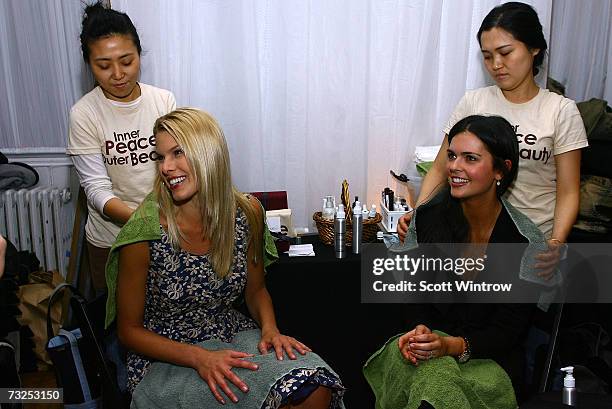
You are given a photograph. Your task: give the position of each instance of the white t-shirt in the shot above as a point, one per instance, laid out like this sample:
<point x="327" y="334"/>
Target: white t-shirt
<point x="547" y="125"/>
<point x="123" y="134"/>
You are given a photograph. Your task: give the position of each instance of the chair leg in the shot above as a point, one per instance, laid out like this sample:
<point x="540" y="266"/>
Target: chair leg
<point x="552" y="346"/>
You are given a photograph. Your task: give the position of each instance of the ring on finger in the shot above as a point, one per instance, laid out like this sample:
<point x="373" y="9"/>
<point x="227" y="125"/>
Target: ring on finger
<point x="431" y="354"/>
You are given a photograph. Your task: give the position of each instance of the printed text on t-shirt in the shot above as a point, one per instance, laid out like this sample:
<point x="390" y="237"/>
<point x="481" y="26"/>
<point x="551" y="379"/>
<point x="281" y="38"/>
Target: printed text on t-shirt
<point x="528" y="152"/>
<point x="129" y="148"/>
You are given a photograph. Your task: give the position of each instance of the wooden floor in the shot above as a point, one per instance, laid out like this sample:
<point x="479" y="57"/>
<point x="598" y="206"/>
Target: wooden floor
<point x="44" y="379"/>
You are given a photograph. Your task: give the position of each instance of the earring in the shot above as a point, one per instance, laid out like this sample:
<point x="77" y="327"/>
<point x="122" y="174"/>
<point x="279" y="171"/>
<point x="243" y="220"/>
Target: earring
<point x="498" y="183"/>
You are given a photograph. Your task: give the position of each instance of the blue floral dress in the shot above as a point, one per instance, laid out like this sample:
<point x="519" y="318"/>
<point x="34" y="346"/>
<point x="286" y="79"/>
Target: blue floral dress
<point x="187" y="302"/>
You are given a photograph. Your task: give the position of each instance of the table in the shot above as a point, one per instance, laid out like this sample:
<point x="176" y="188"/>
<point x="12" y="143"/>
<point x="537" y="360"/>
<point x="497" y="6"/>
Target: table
<point x="317" y="300"/>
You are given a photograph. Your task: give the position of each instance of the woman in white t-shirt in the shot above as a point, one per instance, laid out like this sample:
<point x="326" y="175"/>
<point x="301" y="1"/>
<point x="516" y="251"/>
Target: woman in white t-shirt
<point x="111" y="130"/>
<point x="549" y="128"/>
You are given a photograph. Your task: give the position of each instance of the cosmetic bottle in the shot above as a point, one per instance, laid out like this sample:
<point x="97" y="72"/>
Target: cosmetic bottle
<point x="329" y="208"/>
<point x="569" y="386"/>
<point x="357" y="227"/>
<point x="372" y="213"/>
<point x="339" y="232"/>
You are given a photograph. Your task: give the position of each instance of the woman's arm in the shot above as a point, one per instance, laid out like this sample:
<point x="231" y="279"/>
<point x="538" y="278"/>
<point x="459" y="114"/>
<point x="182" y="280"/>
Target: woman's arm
<point x="99" y="187"/>
<point x="213" y="366"/>
<point x="259" y="304"/>
<point x="436" y="177"/>
<point x="131" y="284"/>
<point x="117" y="210"/>
<point x="568" y="193"/>
<point x="566" y="210"/>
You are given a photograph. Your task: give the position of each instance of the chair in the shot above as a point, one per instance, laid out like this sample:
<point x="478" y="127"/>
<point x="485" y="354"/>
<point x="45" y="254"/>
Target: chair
<point x="83" y="313"/>
<point x="543" y="353"/>
<point x="552" y="348"/>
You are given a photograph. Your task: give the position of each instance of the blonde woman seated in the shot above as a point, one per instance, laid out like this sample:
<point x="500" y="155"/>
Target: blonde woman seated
<point x="191" y="250"/>
<point x="433" y="363"/>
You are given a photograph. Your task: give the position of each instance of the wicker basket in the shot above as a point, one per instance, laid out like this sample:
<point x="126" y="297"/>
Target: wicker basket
<point x="326" y="229"/>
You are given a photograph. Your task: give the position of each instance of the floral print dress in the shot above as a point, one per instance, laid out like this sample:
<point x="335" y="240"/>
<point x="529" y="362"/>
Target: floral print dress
<point x="187" y="302"/>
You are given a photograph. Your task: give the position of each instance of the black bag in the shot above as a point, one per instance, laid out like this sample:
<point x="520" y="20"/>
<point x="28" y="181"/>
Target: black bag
<point x="9" y="378"/>
<point x="74" y="361"/>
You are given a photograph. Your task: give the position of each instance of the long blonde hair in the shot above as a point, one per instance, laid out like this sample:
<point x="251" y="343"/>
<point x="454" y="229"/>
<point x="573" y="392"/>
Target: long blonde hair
<point x="202" y="140"/>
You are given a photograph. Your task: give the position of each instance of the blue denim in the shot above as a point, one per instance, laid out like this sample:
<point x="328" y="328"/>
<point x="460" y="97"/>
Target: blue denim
<point x="117" y="354"/>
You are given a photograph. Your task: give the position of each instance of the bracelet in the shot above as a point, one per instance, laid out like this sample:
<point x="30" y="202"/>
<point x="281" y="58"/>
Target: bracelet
<point x="562" y="247"/>
<point x="466" y="354"/>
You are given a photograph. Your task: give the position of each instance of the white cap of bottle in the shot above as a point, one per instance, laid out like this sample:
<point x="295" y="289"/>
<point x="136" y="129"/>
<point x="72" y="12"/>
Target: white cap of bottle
<point x="372" y="211"/>
<point x="569" y="381"/>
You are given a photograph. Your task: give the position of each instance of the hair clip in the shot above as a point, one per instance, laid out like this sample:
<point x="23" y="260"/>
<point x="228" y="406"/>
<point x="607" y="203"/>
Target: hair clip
<point x="401" y="178"/>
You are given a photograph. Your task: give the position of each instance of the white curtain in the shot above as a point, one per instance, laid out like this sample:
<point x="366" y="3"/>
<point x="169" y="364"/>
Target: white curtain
<point x="41" y="73"/>
<point x="313" y="92"/>
<point x="308" y="92"/>
<point x="581" y="47"/>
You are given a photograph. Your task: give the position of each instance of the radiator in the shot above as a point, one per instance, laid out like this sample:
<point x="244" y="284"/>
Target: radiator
<point x="34" y="220"/>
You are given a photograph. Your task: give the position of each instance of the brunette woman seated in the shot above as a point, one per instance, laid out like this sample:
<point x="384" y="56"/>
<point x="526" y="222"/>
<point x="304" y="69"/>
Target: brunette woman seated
<point x="468" y="353"/>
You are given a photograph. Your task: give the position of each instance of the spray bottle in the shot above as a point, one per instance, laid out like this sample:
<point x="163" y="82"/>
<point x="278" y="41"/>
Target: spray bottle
<point x="339" y="232"/>
<point x="569" y="386"/>
<point x="357" y="227"/>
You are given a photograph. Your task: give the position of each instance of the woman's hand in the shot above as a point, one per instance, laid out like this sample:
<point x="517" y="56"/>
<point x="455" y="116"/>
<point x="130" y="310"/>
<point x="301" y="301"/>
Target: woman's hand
<point x="427" y="346"/>
<point x="404" y="342"/>
<point x="274" y="339"/>
<point x="402" y="225"/>
<point x="548" y="260"/>
<point x="215" y="367"/>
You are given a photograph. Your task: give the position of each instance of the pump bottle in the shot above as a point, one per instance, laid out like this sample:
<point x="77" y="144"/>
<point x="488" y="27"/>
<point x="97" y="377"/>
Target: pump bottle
<point x="569" y="386"/>
<point x="339" y="232"/>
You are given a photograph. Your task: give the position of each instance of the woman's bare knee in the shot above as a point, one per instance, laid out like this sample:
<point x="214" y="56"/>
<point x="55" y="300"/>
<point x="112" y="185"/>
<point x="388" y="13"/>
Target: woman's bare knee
<point x="320" y="398"/>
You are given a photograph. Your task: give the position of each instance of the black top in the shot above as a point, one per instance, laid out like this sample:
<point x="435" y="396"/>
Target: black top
<point x="494" y="331"/>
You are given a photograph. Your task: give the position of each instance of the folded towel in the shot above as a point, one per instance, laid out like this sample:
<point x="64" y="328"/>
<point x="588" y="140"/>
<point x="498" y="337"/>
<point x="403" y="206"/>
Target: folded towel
<point x="171" y="386"/>
<point x="298" y="250"/>
<point x="442" y="382"/>
<point x="425" y="153"/>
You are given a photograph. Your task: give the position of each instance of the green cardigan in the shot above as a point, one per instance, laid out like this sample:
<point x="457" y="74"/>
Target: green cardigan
<point x="143" y="225"/>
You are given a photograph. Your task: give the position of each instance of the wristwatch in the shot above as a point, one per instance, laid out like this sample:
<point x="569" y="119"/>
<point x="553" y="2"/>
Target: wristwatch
<point x="466" y="354"/>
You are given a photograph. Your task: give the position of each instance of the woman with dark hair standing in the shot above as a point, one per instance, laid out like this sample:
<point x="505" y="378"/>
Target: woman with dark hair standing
<point x="481" y="163"/>
<point x="548" y="126"/>
<point x="111" y="130"/>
